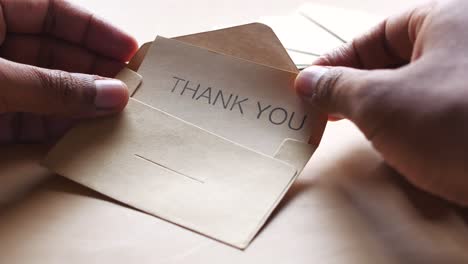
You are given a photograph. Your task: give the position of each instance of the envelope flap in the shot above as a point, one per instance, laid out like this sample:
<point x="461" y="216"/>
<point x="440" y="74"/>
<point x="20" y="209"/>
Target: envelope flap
<point x="295" y="153"/>
<point x="255" y="42"/>
<point x="130" y="78"/>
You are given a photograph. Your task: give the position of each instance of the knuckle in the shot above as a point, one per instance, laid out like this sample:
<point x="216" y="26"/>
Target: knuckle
<point x="58" y="84"/>
<point x="327" y="59"/>
<point x="63" y="87"/>
<point x="418" y="16"/>
<point x="326" y="89"/>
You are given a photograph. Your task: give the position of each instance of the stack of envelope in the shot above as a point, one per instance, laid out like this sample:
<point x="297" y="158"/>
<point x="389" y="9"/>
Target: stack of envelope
<point x="315" y="29"/>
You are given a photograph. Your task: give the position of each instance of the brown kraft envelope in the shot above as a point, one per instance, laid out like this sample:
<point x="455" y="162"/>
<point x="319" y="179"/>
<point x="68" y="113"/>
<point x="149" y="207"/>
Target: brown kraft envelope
<point x="211" y="140"/>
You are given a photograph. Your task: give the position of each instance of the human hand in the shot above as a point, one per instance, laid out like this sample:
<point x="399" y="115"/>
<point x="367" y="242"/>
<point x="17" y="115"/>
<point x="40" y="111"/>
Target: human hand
<point x="54" y="62"/>
<point x="405" y="85"/>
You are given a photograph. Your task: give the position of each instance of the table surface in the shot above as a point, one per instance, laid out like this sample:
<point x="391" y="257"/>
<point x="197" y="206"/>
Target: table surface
<point x="347" y="206"/>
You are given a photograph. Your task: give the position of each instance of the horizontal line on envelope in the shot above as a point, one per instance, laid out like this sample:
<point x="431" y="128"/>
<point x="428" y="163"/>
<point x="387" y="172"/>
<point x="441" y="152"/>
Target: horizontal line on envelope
<point x="167" y="168"/>
<point x="322" y="26"/>
<point x="304" y="52"/>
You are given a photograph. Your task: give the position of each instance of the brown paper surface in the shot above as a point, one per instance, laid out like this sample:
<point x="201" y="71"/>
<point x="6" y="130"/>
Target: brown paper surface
<point x="130" y="78"/>
<point x="346" y="207"/>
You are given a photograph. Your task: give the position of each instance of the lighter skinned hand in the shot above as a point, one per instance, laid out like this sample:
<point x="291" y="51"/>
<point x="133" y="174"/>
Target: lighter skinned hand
<point x="54" y="61"/>
<point x="405" y="85"/>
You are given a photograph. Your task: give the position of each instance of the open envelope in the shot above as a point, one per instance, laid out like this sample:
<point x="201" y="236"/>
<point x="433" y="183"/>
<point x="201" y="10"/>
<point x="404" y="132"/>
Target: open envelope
<point x="211" y="140"/>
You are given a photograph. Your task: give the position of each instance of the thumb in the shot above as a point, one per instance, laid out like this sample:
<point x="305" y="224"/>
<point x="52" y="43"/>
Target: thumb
<point x="358" y="95"/>
<point x="31" y="89"/>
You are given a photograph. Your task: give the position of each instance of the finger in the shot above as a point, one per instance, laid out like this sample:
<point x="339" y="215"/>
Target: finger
<point x="52" y="92"/>
<point x="347" y="92"/>
<point x="51" y="53"/>
<point x="57" y="126"/>
<point x="65" y="21"/>
<point x="388" y="45"/>
<point x="6" y="128"/>
<point x="31" y="128"/>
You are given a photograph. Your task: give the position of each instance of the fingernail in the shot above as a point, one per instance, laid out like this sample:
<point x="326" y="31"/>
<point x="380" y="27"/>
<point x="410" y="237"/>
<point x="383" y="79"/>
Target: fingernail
<point x="308" y="79"/>
<point x="110" y="94"/>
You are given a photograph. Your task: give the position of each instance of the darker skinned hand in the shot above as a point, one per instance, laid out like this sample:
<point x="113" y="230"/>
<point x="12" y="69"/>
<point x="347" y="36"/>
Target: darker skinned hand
<point x="405" y="85"/>
<point x="55" y="67"/>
